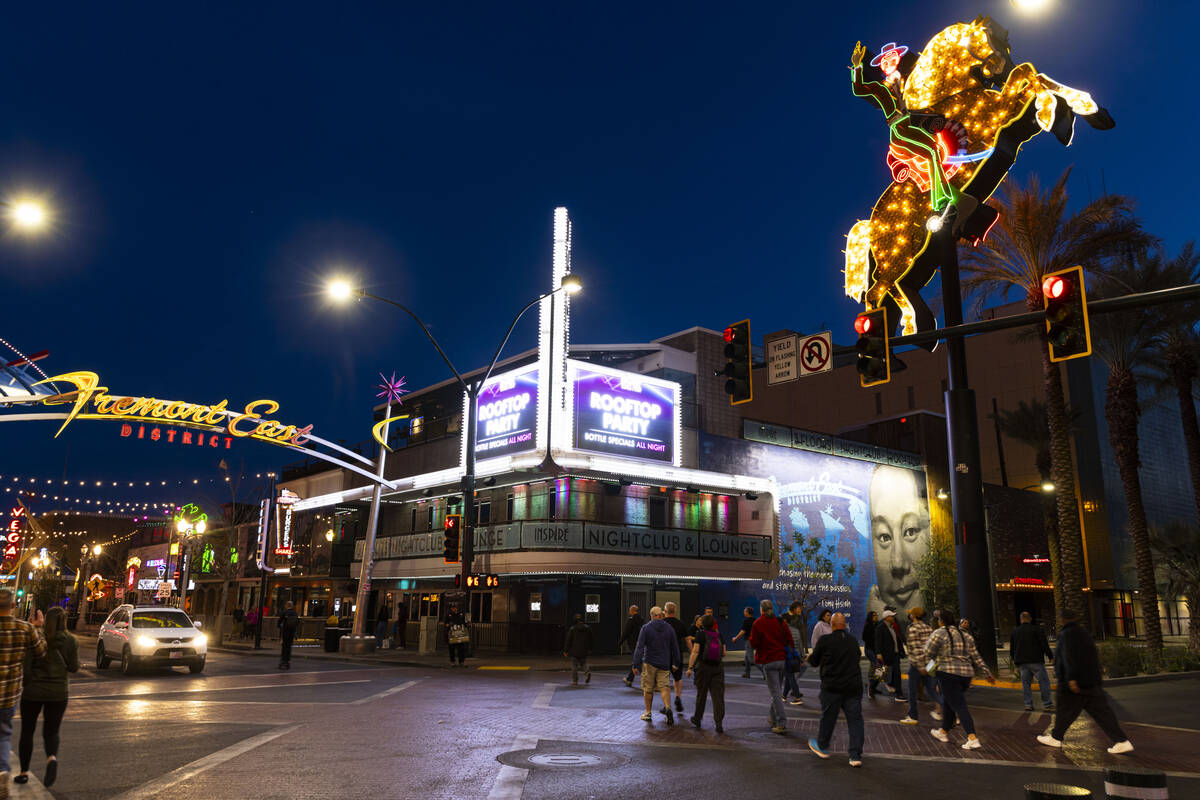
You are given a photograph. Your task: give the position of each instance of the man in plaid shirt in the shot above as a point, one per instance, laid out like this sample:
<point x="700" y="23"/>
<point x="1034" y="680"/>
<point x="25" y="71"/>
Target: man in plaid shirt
<point x="17" y="638"/>
<point x="918" y="634"/>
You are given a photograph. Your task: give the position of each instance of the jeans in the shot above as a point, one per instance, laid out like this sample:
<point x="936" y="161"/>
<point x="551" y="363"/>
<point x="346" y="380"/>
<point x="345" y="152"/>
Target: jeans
<point x="790" y="685"/>
<point x="1028" y="671"/>
<point x="893" y="673"/>
<point x="1070" y="705"/>
<point x="851" y="704"/>
<point x="872" y="684"/>
<point x="710" y="679"/>
<point x="954" y="701"/>
<point x="916" y="680"/>
<point x="55" y="710"/>
<point x="579" y="665"/>
<point x="747" y="659"/>
<point x="459" y="650"/>
<point x="6" y="722"/>
<point x="776" y="715"/>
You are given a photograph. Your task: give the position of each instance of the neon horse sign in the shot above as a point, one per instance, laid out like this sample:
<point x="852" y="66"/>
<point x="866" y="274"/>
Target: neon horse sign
<point x="958" y="114"/>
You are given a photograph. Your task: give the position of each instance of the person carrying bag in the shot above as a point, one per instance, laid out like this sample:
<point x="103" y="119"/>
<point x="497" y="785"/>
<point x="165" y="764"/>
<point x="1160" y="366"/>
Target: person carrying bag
<point x="45" y="692"/>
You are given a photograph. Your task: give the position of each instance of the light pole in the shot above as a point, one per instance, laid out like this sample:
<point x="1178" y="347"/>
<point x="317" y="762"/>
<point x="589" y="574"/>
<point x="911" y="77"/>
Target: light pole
<point x="190" y="523"/>
<point x="342" y="290"/>
<point x="87" y="555"/>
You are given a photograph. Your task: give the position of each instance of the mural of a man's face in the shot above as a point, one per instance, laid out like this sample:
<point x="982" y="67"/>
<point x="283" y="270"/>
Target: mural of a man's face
<point x="899" y="534"/>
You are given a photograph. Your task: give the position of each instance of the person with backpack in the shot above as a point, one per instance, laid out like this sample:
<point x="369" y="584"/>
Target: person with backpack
<point x="707" y="661"/>
<point x="288" y="623"/>
<point x="957" y="658"/>
<point x="45" y="690"/>
<point x="578" y="647"/>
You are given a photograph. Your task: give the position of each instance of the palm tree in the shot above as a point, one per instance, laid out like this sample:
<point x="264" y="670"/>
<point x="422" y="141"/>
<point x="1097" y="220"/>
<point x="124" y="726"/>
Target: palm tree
<point x="1027" y="424"/>
<point x="1178" y="549"/>
<point x="1124" y="342"/>
<point x="1036" y="235"/>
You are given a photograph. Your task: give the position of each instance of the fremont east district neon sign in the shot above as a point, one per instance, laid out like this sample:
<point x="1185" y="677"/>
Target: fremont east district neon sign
<point x="92" y="401"/>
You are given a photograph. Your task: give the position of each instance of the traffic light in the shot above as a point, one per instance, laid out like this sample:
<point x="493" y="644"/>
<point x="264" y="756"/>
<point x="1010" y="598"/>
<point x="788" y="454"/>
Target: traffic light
<point x="874" y="355"/>
<point x="738" y="385"/>
<point x="1065" y="303"/>
<point x="453" y="535"/>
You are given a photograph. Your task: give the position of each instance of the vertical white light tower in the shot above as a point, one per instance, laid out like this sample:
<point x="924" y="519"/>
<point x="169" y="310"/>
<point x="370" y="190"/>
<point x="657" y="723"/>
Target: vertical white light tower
<point x="553" y="336"/>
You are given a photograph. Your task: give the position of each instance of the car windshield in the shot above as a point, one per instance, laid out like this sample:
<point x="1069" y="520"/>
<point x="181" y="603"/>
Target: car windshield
<point x="161" y="619"/>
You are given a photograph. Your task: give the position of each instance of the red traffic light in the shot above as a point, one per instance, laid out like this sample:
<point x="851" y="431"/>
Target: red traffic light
<point x="1054" y="287"/>
<point x="862" y="324"/>
<point x="452" y="521"/>
<point x="729" y="334"/>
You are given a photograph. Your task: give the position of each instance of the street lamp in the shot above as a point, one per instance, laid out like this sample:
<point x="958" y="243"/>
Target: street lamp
<point x="28" y="215"/>
<point x="341" y="290"/>
<point x="190" y="522"/>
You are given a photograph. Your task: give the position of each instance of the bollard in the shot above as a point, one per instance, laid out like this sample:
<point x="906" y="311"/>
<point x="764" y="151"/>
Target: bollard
<point x="1049" y="791"/>
<point x="1135" y="782"/>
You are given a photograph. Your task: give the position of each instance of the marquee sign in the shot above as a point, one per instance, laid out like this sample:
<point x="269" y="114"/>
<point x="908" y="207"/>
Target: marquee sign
<point x="92" y="401"/>
<point x="12" y="536"/>
<point x="625" y="414"/>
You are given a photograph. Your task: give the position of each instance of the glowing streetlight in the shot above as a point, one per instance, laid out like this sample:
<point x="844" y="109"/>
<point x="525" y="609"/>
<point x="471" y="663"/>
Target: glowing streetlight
<point x="1048" y="486"/>
<point x="339" y="290"/>
<point x="97" y="550"/>
<point x="28" y="215"/>
<point x="329" y="535"/>
<point x="571" y="283"/>
<point x="1030" y="6"/>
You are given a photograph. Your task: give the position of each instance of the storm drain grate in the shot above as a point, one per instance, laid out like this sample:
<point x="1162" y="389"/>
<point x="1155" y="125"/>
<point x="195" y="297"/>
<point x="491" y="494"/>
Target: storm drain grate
<point x="564" y="760"/>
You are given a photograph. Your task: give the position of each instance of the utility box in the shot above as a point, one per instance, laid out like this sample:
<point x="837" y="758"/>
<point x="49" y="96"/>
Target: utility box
<point x="428" y="635"/>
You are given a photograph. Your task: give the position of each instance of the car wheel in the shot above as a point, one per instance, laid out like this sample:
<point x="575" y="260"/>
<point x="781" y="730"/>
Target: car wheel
<point x="102" y="661"/>
<point x="128" y="662"/>
<point x="196" y="666"/>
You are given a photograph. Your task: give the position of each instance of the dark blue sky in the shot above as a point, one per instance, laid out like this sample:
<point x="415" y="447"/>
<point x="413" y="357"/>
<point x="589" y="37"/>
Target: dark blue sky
<point x="210" y="166"/>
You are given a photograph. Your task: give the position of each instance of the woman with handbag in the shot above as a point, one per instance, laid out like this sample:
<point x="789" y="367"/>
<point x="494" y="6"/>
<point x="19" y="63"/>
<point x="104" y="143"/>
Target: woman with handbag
<point x="458" y="636"/>
<point x="45" y="691"/>
<point x="956" y="657"/>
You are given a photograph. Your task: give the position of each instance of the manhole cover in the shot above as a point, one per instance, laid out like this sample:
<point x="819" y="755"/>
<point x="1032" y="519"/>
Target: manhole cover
<point x="564" y="760"/>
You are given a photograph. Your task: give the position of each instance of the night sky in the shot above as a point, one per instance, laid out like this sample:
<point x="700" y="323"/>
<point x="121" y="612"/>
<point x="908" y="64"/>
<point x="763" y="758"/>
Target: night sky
<point x="209" y="166"/>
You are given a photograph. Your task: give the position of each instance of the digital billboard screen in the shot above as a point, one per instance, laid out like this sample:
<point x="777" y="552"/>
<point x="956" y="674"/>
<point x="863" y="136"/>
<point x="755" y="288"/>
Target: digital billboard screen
<point x="507" y="421"/>
<point x="624" y="414"/>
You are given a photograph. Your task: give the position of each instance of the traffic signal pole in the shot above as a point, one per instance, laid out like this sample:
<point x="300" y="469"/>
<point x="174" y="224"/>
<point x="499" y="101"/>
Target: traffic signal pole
<point x="467" y="535"/>
<point x="975" y="584"/>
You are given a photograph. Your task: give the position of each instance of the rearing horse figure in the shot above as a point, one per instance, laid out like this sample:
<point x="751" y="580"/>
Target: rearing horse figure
<point x="979" y="108"/>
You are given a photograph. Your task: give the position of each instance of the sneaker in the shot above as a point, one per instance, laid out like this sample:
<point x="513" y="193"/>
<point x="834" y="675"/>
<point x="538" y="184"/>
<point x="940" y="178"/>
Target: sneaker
<point x="1029" y="708"/>
<point x="51" y="772"/>
<point x="1121" y="747"/>
<point x="1049" y="740"/>
<point x="856" y="762"/>
<point x="627" y="681"/>
<point x="587" y="677"/>
<point x="900" y="698"/>
<point x="679" y="705"/>
<point x="646" y="717"/>
<point x="816" y="748"/>
<point x="1048" y="707"/>
<point x="972" y="744"/>
<point x="796" y="701"/>
<point x="782" y="730"/>
<point x="908" y="721"/>
<point x="936" y="715"/>
<point x="670" y="717"/>
<point x="695" y="722"/>
<point x="939" y="734"/>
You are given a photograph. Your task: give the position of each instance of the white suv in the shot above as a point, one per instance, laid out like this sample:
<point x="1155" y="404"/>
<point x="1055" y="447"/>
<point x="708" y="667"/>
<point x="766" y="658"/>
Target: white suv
<point x="151" y="636"/>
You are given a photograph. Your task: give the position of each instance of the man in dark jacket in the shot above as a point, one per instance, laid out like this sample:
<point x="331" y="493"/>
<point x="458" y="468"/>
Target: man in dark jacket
<point x="579" y="647"/>
<point x="1028" y="648"/>
<point x="458" y="636"/>
<point x="837" y="656"/>
<point x="1077" y="667"/>
<point x="629" y="636"/>
<point x="288" y="623"/>
<point x="889" y="649"/>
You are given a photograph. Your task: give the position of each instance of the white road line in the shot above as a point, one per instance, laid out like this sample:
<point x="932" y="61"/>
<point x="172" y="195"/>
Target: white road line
<point x="510" y="783"/>
<point x="383" y="694"/>
<point x="157" y="787"/>
<point x="33" y="789"/>
<point x="545" y="696"/>
<point x="193" y="690"/>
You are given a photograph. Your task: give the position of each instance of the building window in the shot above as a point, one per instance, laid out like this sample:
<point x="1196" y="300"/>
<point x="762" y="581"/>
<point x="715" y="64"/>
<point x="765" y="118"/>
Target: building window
<point x="912" y="395"/>
<point x="508" y="508"/>
<point x="878" y="403"/>
<point x="552" y="502"/>
<point x="481" y="606"/>
<point x="429" y="517"/>
<point x="754" y="514"/>
<point x="413" y="525"/>
<point x="535" y="606"/>
<point x="483" y="513"/>
<point x="658" y="512"/>
<point x="416" y="425"/>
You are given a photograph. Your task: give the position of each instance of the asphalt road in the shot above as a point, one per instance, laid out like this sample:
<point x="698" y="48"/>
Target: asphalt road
<point x="337" y="729"/>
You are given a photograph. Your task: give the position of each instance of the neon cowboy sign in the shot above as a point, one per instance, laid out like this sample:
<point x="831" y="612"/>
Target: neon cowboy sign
<point x="92" y="401"/>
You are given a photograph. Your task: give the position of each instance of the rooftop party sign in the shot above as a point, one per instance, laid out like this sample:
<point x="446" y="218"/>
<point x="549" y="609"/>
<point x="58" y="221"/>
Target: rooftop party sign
<point x="507" y="421"/>
<point x="625" y="414"/>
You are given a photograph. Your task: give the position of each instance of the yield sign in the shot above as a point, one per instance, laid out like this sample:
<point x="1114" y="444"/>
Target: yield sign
<point x="816" y="353"/>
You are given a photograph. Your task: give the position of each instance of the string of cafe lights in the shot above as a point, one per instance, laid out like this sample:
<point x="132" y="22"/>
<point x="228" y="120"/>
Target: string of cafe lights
<point x="18" y="479"/>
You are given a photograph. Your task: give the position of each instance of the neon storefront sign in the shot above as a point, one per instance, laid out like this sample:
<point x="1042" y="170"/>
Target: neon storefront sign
<point x="625" y="414"/>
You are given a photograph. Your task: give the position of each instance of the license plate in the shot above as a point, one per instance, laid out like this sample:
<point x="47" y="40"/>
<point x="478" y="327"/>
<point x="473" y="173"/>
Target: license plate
<point x="176" y="654"/>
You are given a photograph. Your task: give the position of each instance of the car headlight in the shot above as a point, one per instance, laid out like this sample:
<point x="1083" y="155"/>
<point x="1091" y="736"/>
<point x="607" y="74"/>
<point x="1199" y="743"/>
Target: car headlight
<point x="146" y="641"/>
<point x="200" y="639"/>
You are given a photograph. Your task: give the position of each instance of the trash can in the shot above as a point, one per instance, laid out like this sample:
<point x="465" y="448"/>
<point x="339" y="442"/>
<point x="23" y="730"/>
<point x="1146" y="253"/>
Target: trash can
<point x="1131" y="782"/>
<point x="1049" y="791"/>
<point x="333" y="638"/>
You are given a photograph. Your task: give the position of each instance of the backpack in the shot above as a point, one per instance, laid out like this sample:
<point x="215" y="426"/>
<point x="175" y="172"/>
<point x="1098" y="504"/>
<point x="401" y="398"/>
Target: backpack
<point x="711" y="652"/>
<point x="291" y="622"/>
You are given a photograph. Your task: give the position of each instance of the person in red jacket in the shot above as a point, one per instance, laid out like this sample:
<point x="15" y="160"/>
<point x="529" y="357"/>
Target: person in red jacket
<point x="770" y="638"/>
